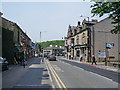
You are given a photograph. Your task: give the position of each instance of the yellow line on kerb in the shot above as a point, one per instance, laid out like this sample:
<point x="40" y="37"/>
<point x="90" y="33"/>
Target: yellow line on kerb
<point x="58" y="77"/>
<point x="55" y="77"/>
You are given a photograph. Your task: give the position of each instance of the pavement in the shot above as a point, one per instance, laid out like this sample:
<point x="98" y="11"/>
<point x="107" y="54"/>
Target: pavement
<point x="99" y="64"/>
<point x="34" y="75"/>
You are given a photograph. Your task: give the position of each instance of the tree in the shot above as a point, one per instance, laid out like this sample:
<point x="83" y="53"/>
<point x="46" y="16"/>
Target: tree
<point x="53" y="43"/>
<point x="110" y="8"/>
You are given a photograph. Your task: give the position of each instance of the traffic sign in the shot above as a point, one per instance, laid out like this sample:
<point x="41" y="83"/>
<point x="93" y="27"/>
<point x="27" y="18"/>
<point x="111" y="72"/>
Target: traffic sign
<point x="101" y="55"/>
<point x="108" y="45"/>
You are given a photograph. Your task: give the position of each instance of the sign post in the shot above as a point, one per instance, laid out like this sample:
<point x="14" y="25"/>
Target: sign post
<point x="108" y="46"/>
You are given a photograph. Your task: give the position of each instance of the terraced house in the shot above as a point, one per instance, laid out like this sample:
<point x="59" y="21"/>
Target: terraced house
<point x="14" y="40"/>
<point x="92" y="38"/>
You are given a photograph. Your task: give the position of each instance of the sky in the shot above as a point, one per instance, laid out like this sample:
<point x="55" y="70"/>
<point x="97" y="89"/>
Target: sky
<point x="50" y="18"/>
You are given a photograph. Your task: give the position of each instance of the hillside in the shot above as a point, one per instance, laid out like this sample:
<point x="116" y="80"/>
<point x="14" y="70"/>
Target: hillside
<point x="53" y="43"/>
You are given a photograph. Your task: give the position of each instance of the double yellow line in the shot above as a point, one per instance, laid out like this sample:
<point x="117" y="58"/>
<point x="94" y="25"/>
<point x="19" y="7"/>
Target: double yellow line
<point x="57" y="78"/>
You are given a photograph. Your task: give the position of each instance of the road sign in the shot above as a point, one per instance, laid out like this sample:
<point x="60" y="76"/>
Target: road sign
<point x="33" y="45"/>
<point x="24" y="40"/>
<point x="23" y="48"/>
<point x="109" y="45"/>
<point x="101" y="55"/>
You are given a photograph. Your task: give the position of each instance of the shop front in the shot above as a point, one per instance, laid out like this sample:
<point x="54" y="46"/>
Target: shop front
<point x="81" y="53"/>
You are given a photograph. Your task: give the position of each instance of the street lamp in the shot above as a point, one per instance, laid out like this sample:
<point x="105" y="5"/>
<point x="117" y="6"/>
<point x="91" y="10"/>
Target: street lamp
<point x="41" y="50"/>
<point x="40" y="35"/>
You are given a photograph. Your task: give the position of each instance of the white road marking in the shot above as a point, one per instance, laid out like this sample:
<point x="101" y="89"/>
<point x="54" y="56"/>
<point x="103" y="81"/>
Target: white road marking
<point x="64" y="62"/>
<point x="59" y="60"/>
<point x="34" y="66"/>
<point x="88" y="71"/>
<point x="28" y="85"/>
<point x="67" y="63"/>
<point x="78" y="68"/>
<point x="101" y="76"/>
<point x="45" y="81"/>
<point x="72" y="65"/>
<point x="53" y="86"/>
<point x="57" y="68"/>
<point x="93" y="73"/>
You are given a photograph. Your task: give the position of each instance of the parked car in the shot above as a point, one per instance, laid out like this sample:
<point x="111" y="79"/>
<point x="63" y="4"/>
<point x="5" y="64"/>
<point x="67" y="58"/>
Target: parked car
<point x="48" y="56"/>
<point x="52" y="58"/>
<point x="45" y="55"/>
<point x="3" y="63"/>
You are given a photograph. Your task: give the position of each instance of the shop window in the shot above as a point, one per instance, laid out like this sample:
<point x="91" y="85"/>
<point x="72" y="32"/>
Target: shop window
<point x="78" y="53"/>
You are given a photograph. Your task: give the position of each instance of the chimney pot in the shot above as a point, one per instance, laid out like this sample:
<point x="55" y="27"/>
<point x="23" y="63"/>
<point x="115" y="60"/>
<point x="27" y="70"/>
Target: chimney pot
<point x="1" y="14"/>
<point x="94" y="20"/>
<point x="78" y="23"/>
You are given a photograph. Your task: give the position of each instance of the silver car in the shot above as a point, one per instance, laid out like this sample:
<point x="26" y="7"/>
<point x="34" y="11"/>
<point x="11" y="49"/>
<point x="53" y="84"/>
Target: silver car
<point x="3" y="64"/>
<point x="52" y="58"/>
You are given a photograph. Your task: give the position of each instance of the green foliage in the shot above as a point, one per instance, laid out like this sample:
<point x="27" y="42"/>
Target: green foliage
<point x="111" y="8"/>
<point x="53" y="43"/>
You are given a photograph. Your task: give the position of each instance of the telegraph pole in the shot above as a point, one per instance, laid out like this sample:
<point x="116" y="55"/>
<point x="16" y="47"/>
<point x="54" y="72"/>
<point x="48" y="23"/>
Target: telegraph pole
<point x="40" y="40"/>
<point x="40" y="37"/>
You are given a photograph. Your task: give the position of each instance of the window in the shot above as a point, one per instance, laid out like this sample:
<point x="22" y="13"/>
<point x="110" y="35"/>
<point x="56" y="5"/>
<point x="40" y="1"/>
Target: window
<point x="77" y="39"/>
<point x="78" y="53"/>
<point x="18" y="36"/>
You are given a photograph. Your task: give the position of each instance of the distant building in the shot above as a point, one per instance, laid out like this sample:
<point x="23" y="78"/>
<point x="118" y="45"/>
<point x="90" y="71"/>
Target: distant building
<point x="53" y="50"/>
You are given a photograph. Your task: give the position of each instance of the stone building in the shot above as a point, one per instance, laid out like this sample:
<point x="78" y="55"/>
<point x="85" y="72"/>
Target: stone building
<point x="92" y="38"/>
<point x="104" y="43"/>
<point x="82" y="41"/>
<point x="78" y="42"/>
<point x="14" y="40"/>
<point x="53" y="50"/>
<point x="70" y="40"/>
<point x="81" y="45"/>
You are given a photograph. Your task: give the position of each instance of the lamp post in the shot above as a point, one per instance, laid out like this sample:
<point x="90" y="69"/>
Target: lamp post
<point x="93" y="40"/>
<point x="41" y="50"/>
<point x="40" y="34"/>
<point x="40" y="37"/>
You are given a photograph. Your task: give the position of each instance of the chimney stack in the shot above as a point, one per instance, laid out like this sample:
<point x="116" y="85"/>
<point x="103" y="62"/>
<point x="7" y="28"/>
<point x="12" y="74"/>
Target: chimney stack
<point x="94" y="20"/>
<point x="1" y="14"/>
<point x="78" y="23"/>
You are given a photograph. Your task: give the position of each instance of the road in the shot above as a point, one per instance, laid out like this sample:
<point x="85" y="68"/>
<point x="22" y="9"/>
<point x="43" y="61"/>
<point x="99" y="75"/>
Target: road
<point x="79" y="75"/>
<point x="58" y="74"/>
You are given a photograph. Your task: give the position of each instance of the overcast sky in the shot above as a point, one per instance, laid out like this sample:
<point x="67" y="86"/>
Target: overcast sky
<point x="50" y="18"/>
